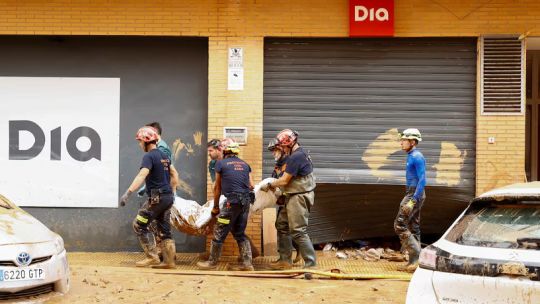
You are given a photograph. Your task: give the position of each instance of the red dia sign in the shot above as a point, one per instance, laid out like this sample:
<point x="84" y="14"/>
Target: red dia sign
<point x="371" y="18"/>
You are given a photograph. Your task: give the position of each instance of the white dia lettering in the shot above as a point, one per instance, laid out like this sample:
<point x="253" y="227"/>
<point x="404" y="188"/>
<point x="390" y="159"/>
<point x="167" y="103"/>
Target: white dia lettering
<point x="361" y="13"/>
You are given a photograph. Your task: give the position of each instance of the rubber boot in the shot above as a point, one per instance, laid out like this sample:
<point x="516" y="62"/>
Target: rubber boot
<point x="215" y="254"/>
<point x="168" y="248"/>
<point x="150" y="251"/>
<point x="254" y="251"/>
<point x="245" y="254"/>
<point x="413" y="247"/>
<point x="307" y="251"/>
<point x="298" y="256"/>
<point x="285" y="253"/>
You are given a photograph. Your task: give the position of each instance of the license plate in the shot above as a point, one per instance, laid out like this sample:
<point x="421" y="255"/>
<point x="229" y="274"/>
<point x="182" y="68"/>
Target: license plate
<point x="23" y="274"/>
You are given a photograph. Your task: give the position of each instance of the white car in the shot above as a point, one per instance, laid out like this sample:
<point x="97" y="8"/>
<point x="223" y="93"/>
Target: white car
<point x="490" y="254"/>
<point x="32" y="258"/>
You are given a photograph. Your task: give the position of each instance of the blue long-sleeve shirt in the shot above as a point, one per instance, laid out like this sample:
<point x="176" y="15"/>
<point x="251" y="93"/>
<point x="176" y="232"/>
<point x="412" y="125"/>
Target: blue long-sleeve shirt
<point x="416" y="172"/>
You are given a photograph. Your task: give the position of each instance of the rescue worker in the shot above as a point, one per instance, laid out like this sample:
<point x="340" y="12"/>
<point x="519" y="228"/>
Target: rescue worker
<point x="407" y="222"/>
<point x="215" y="153"/>
<point x="233" y="178"/>
<point x="279" y="169"/>
<point x="156" y="171"/>
<point x="163" y="146"/>
<point x="297" y="184"/>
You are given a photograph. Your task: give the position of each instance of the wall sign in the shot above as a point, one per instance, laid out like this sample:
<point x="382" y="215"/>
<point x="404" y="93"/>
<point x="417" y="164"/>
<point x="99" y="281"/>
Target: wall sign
<point x="61" y="139"/>
<point x="236" y="69"/>
<point x="371" y="18"/>
<point x="238" y="134"/>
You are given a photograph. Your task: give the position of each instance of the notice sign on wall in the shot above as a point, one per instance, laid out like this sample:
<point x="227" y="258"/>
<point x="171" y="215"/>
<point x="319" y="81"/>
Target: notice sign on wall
<point x="60" y="141"/>
<point x="238" y="134"/>
<point x="371" y="18"/>
<point x="236" y="69"/>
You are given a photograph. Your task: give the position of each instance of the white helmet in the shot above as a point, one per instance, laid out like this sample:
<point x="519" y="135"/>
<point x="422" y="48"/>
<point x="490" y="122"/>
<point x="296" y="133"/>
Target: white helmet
<point x="411" y="134"/>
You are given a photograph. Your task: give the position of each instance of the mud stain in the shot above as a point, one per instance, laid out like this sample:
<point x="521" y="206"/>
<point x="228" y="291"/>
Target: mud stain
<point x="378" y="152"/>
<point x="448" y="169"/>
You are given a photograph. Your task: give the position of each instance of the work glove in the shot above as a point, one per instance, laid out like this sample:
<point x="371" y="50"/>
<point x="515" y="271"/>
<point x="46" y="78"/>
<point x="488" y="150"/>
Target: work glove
<point x="124" y="198"/>
<point x="266" y="187"/>
<point x="215" y="211"/>
<point x="409" y="206"/>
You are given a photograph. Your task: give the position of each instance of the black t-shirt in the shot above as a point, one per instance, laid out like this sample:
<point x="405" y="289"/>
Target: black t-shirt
<point x="234" y="175"/>
<point x="159" y="177"/>
<point x="299" y="163"/>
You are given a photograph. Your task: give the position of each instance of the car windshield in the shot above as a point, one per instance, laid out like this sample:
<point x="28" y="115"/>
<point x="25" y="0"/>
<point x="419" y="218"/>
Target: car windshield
<point x="500" y="226"/>
<point x="5" y="203"/>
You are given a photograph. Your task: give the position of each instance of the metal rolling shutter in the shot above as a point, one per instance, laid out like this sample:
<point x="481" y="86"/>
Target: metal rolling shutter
<point x="348" y="98"/>
<point x="341" y="95"/>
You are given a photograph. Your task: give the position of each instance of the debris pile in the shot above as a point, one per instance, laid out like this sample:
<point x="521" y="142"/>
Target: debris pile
<point x="366" y="253"/>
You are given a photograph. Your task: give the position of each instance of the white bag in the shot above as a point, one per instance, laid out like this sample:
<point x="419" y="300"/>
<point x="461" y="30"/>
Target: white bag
<point x="189" y="217"/>
<point x="263" y="199"/>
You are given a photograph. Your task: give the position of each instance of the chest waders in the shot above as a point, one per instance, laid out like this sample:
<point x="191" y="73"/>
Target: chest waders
<point x="292" y="221"/>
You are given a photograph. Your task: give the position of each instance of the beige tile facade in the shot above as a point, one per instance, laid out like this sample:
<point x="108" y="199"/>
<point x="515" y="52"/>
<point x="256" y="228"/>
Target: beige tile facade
<point x="245" y="23"/>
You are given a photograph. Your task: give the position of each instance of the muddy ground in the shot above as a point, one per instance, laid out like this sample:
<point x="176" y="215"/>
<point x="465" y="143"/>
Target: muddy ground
<point x="128" y="285"/>
<point x="112" y="278"/>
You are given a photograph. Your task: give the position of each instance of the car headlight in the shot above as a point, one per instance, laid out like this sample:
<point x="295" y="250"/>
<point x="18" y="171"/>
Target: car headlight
<point x="58" y="244"/>
<point x="428" y="258"/>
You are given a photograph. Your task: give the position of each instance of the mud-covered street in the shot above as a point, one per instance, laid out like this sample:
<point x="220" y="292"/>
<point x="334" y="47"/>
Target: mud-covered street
<point x="129" y="285"/>
<point x="109" y="278"/>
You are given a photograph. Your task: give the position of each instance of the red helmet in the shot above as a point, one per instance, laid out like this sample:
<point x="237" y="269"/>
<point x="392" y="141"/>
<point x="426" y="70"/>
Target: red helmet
<point x="287" y="137"/>
<point x="147" y="134"/>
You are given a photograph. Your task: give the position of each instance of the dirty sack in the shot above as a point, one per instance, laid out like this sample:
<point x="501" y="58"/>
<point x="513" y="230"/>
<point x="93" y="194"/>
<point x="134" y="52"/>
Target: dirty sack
<point x="189" y="217"/>
<point x="263" y="199"/>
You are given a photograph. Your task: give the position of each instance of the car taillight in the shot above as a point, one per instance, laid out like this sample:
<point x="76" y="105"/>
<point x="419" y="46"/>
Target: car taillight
<point x="428" y="258"/>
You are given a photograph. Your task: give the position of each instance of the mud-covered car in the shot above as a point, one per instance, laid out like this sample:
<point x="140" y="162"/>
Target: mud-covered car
<point x="32" y="258"/>
<point x="490" y="254"/>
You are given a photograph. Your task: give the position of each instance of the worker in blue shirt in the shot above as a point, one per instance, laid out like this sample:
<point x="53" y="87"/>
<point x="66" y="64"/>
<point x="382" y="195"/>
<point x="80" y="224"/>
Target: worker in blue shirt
<point x="155" y="171"/>
<point x="279" y="169"/>
<point x="234" y="180"/>
<point x="297" y="185"/>
<point x="215" y="152"/>
<point x="161" y="145"/>
<point x="407" y="222"/>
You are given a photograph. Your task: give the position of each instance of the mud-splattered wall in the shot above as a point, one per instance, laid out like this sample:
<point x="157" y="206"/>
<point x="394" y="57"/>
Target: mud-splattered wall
<point x="162" y="79"/>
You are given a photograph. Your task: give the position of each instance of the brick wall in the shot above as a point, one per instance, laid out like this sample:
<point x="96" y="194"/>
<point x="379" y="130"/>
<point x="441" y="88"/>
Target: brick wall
<point x="236" y="23"/>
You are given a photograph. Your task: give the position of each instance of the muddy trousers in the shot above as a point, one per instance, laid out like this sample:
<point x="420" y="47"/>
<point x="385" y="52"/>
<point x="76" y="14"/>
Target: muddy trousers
<point x="407" y="225"/>
<point x="291" y="224"/>
<point x="233" y="218"/>
<point x="284" y="241"/>
<point x="161" y="213"/>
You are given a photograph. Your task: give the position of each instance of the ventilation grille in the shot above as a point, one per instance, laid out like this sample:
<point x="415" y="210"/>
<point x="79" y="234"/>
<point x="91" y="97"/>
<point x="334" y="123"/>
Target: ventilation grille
<point x="34" y="261"/>
<point x="502" y="76"/>
<point x="31" y="292"/>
